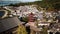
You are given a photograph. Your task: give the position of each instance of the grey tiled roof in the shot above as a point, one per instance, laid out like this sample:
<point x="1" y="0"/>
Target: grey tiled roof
<point x="8" y="23"/>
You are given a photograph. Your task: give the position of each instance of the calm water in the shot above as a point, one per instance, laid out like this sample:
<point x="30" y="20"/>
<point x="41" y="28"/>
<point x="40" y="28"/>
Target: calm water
<point x="2" y="13"/>
<point x="2" y="3"/>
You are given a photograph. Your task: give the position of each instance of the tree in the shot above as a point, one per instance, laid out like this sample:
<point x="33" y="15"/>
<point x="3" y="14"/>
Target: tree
<point x="24" y="19"/>
<point x="52" y="3"/>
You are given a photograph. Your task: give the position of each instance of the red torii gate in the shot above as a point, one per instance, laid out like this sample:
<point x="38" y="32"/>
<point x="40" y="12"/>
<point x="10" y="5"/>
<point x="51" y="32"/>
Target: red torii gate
<point x="31" y="17"/>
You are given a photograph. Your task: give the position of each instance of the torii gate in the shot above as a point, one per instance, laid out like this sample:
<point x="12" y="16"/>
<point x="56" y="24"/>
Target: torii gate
<point x="31" y="17"/>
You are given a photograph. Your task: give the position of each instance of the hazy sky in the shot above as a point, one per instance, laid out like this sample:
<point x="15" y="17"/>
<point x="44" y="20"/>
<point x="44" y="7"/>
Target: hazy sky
<point x="22" y="0"/>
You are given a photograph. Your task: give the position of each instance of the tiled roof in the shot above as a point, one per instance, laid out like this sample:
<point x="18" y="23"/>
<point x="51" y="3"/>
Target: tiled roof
<point x="8" y="23"/>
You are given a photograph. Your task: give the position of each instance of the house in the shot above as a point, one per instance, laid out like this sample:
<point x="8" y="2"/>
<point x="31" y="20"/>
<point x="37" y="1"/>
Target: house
<point x="8" y="25"/>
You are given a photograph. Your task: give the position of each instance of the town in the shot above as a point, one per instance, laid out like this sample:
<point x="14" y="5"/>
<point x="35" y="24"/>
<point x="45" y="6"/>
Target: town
<point x="28" y="19"/>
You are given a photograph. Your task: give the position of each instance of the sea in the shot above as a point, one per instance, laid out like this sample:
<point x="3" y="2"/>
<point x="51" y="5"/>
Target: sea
<point x="3" y="3"/>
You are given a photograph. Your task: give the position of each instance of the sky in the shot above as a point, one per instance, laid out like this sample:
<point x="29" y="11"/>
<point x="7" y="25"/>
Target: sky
<point x="22" y="0"/>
